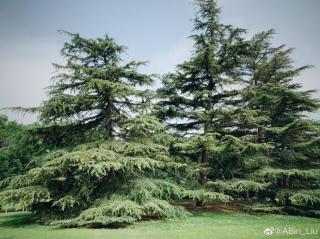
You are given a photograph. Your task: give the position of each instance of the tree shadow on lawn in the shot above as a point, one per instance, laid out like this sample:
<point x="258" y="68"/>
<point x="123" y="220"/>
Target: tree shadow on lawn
<point x="16" y="220"/>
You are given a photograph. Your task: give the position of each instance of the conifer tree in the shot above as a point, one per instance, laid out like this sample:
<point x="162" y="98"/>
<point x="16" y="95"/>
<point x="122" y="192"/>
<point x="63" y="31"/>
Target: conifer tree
<point x="17" y="147"/>
<point x="120" y="175"/>
<point x="293" y="171"/>
<point x="195" y="94"/>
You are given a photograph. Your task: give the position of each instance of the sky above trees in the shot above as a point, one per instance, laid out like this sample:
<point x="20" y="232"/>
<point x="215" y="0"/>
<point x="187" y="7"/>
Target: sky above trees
<point x="155" y="31"/>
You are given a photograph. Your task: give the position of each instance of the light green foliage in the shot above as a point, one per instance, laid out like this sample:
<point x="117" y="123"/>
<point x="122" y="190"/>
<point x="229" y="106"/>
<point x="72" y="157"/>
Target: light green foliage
<point x="306" y="197"/>
<point x="24" y="197"/>
<point x="147" y="189"/>
<point x="66" y="203"/>
<point x="236" y="186"/>
<point x="119" y="207"/>
<point x="163" y="209"/>
<point x="115" y="181"/>
<point x="303" y="198"/>
<point x="143" y="126"/>
<point x="204" y="196"/>
<point x="293" y="177"/>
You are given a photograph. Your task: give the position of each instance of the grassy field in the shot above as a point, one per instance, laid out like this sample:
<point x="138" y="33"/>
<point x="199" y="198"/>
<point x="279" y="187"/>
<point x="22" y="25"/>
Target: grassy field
<point x="220" y="225"/>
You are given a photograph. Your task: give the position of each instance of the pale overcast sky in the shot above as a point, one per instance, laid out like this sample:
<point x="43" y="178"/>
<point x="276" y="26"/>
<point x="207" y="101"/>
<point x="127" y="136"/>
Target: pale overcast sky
<point x="153" y="30"/>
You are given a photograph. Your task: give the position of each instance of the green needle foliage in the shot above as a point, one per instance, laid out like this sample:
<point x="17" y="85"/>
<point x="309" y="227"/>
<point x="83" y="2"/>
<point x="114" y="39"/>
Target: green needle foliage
<point x="93" y="89"/>
<point x="243" y="114"/>
<point x="293" y="171"/>
<point x="195" y="93"/>
<point x="103" y="183"/>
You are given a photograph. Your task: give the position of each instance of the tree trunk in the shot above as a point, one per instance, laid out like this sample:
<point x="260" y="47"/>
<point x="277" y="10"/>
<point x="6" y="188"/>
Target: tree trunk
<point x="204" y="159"/>
<point x="199" y="204"/>
<point x="109" y="128"/>
<point x="204" y="170"/>
<point x="246" y="195"/>
<point x="206" y="129"/>
<point x="287" y="201"/>
<point x="109" y="125"/>
<point x="286" y="181"/>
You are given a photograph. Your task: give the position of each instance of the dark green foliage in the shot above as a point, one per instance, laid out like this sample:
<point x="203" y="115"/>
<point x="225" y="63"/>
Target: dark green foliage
<point x="240" y="98"/>
<point x="17" y="146"/>
<point x="238" y="187"/>
<point x="9" y="160"/>
<point x="93" y="89"/>
<point x="195" y="93"/>
<point x="293" y="178"/>
<point x="293" y="169"/>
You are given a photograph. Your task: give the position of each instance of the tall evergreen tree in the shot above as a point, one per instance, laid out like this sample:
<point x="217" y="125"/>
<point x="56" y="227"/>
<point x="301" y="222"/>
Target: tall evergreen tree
<point x="196" y="92"/>
<point x="293" y="171"/>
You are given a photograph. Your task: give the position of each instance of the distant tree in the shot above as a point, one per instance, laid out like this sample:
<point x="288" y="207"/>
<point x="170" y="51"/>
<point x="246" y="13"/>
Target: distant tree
<point x="15" y="147"/>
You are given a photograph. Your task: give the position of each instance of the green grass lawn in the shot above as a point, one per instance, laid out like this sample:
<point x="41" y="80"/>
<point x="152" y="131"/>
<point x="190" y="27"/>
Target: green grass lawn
<point x="220" y="225"/>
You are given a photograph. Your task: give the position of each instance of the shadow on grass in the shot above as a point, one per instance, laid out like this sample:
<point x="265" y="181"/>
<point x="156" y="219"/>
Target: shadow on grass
<point x="16" y="220"/>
